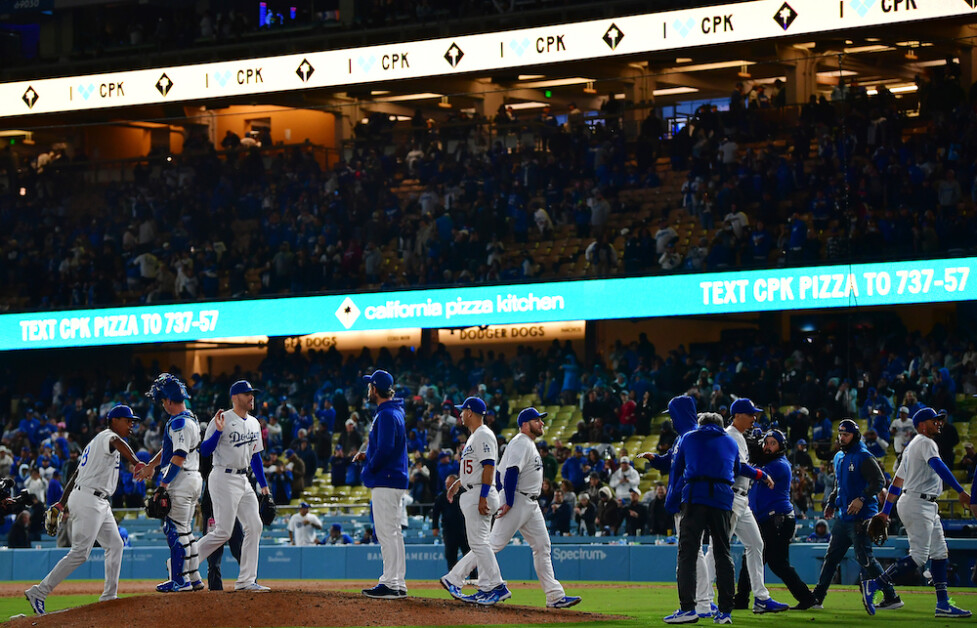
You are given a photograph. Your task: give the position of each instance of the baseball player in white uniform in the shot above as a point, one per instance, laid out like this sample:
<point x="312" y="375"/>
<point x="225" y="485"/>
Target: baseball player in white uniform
<point x="234" y="438"/>
<point x="522" y="481"/>
<point x="919" y="480"/>
<point x="181" y="479"/>
<point x="302" y="526"/>
<point x="743" y="523"/>
<point x="478" y="503"/>
<point x="88" y="497"/>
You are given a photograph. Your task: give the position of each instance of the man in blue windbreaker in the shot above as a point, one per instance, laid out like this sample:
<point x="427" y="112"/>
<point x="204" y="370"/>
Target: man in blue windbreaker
<point x="707" y="460"/>
<point x="385" y="474"/>
<point x="858" y="482"/>
<point x="683" y="413"/>
<point x="775" y="515"/>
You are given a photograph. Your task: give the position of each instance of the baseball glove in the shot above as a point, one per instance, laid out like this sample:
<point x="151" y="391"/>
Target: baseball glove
<point x="158" y="505"/>
<point x="52" y="519"/>
<point x="878" y="529"/>
<point x="267" y="509"/>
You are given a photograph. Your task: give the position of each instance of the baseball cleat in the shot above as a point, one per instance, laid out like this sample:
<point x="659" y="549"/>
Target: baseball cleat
<point x="682" y="617"/>
<point x="564" y="602"/>
<point x="949" y="610"/>
<point x="36" y="600"/>
<point x="868" y="589"/>
<point x="455" y="591"/>
<point x="254" y="587"/>
<point x="198" y="585"/>
<point x="890" y="604"/>
<point x="722" y="618"/>
<point x="171" y="586"/>
<point x="493" y="597"/>
<point x="713" y="609"/>
<point x="768" y="605"/>
<point x="383" y="592"/>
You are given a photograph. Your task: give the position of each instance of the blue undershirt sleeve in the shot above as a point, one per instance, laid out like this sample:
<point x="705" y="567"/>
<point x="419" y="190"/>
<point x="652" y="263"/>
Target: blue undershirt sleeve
<point x="511" y="478"/>
<point x="259" y="469"/>
<point x="945" y="474"/>
<point x="208" y="446"/>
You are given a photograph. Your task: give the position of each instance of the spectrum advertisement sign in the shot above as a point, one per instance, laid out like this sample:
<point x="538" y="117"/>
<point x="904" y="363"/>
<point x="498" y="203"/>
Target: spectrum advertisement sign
<point x="861" y="285"/>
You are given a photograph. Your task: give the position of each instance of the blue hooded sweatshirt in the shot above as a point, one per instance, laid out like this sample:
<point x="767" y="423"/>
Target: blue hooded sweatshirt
<point x="851" y="483"/>
<point x="708" y="460"/>
<point x="682" y="411"/>
<point x="386" y="454"/>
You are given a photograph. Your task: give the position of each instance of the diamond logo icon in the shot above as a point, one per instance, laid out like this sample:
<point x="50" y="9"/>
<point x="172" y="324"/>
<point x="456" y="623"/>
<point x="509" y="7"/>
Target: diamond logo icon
<point x="453" y="55"/>
<point x="347" y="313"/>
<point x="305" y="70"/>
<point x="30" y="97"/>
<point x="785" y="16"/>
<point x="86" y="90"/>
<point x="519" y="47"/>
<point x="164" y="85"/>
<point x="684" y="28"/>
<point x="862" y="6"/>
<point x="613" y="36"/>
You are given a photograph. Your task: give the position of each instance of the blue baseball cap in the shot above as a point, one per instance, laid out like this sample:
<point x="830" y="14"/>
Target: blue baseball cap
<point x="489" y="412"/>
<point x="338" y="527"/>
<point x="743" y="406"/>
<point x="474" y="404"/>
<point x="122" y="412"/>
<point x="777" y="435"/>
<point x="380" y="379"/>
<point x="241" y="387"/>
<point x="304" y="505"/>
<point x="530" y="414"/>
<point x="927" y="414"/>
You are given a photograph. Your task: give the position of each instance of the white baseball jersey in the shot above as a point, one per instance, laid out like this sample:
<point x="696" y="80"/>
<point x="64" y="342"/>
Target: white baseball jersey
<point x="98" y="467"/>
<point x="304" y="534"/>
<point x="903" y="432"/>
<point x="481" y="445"/>
<point x="740" y="481"/>
<point x="521" y="453"/>
<point x="241" y="439"/>
<point x="185" y="436"/>
<point x="917" y="475"/>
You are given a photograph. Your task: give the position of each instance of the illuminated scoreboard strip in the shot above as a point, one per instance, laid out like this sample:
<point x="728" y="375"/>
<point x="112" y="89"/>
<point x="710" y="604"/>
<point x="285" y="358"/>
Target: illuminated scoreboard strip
<point x="452" y="56"/>
<point x="861" y="285"/>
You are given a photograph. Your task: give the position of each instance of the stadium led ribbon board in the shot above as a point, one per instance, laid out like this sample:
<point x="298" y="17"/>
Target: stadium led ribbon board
<point x="672" y="30"/>
<point x="636" y="297"/>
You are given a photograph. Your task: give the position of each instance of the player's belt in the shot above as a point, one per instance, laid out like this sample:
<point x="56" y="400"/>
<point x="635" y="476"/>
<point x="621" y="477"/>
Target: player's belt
<point x="531" y="497"/>
<point x="235" y="471"/>
<point x="191" y="470"/>
<point x="929" y="498"/>
<point x="93" y="491"/>
<point x="741" y="491"/>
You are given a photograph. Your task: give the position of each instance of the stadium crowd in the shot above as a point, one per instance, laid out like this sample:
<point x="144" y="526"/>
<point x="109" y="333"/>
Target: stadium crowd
<point x="847" y="182"/>
<point x="314" y="416"/>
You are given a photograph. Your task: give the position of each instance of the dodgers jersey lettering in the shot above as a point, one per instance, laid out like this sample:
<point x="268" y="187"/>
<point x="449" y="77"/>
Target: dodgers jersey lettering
<point x="481" y="445"/>
<point x="521" y="452"/>
<point x="240" y="440"/>
<point x="99" y="465"/>
<point x="917" y="474"/>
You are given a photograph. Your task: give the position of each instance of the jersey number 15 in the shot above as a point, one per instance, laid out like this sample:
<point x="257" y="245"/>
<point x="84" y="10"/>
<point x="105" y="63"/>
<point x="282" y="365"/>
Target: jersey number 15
<point x="469" y="467"/>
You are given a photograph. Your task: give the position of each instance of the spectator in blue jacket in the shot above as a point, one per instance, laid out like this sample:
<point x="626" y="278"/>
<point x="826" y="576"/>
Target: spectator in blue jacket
<point x="337" y="536"/>
<point x="385" y="474"/>
<point x="820" y="534"/>
<point x="338" y="464"/>
<point x="54" y="489"/>
<point x="572" y="469"/>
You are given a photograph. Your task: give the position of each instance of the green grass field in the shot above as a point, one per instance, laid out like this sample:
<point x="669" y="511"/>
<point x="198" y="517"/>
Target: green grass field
<point x="647" y="604"/>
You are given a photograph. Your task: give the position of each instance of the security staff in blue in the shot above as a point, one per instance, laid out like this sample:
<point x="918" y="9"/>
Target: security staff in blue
<point x="708" y="460"/>
<point x="775" y="515"/>
<point x="858" y="480"/>
<point x="385" y="474"/>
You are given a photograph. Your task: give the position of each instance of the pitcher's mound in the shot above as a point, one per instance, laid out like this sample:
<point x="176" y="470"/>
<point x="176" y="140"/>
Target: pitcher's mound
<point x="292" y="608"/>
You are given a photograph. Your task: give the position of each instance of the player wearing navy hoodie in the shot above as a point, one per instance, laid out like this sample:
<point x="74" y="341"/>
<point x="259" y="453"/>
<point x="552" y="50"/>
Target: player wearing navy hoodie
<point x="385" y="474"/>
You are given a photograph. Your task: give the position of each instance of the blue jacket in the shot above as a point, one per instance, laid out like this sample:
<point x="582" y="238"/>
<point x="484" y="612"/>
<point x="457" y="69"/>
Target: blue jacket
<point x="572" y="471"/>
<point x="766" y="502"/>
<point x="682" y="411"/>
<point x="856" y="473"/>
<point x="386" y="453"/>
<point x="708" y="460"/>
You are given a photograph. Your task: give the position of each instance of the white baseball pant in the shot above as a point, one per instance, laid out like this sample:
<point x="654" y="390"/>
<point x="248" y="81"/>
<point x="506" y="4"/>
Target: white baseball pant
<point x="91" y="520"/>
<point x="386" y="523"/>
<point x="746" y="529"/>
<point x="478" y="529"/>
<point x="703" y="583"/>
<point x="921" y="518"/>
<point x="526" y="517"/>
<point x="184" y="493"/>
<point x="233" y="498"/>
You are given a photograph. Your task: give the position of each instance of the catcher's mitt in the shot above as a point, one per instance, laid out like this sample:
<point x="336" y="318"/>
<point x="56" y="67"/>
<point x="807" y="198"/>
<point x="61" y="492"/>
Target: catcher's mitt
<point x="878" y="529"/>
<point x="158" y="505"/>
<point x="267" y="509"/>
<point x="52" y="519"/>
